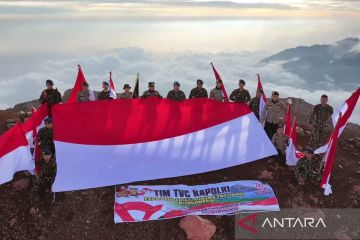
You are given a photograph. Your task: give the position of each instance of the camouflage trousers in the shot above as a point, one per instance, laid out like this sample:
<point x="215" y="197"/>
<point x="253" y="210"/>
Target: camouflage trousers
<point x="309" y="170"/>
<point x="42" y="184"/>
<point x="318" y="136"/>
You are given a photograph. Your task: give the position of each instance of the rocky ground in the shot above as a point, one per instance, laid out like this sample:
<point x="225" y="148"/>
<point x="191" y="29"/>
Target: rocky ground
<point x="89" y="214"/>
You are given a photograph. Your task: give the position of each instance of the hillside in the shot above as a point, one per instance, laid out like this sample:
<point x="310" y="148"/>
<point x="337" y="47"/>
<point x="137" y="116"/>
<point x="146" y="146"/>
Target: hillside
<point x="89" y="214"/>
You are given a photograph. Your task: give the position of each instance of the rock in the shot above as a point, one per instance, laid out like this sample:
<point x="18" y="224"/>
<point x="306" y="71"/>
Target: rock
<point x="12" y="222"/>
<point x="266" y="175"/>
<point x="197" y="228"/>
<point x="21" y="184"/>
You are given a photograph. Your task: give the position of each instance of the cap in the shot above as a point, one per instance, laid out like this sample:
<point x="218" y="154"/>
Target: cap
<point x="126" y="86"/>
<point x="105" y="83"/>
<point x="50" y="82"/>
<point x="219" y="81"/>
<point x="85" y="84"/>
<point x="242" y="81"/>
<point x="309" y="150"/>
<point x="151" y="84"/>
<point x="176" y="84"/>
<point x="275" y="93"/>
<point x="199" y="81"/>
<point x="324" y="96"/>
<point x="48" y="120"/>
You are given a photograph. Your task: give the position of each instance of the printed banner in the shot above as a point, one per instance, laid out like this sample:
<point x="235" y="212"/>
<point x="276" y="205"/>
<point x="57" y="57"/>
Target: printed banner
<point x="143" y="203"/>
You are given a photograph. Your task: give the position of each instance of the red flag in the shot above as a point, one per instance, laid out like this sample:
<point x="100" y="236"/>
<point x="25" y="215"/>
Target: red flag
<point x="263" y="98"/>
<point x="78" y="85"/>
<point x="36" y="154"/>
<point x="330" y="157"/>
<point x="112" y="87"/>
<point x="292" y="154"/>
<point x="218" y="78"/>
<point x="136" y="93"/>
<point x="287" y="127"/>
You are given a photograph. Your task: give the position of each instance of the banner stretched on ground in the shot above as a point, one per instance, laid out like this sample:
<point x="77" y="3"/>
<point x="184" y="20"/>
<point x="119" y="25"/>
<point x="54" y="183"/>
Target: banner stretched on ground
<point x="143" y="203"/>
<point x="105" y="143"/>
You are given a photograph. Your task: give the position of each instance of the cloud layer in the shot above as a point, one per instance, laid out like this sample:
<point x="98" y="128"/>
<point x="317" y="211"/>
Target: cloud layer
<point x="164" y="69"/>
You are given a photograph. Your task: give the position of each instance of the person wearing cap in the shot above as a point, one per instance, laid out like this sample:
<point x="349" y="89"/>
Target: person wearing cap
<point x="85" y="95"/>
<point x="176" y="94"/>
<point x="216" y="93"/>
<point x="126" y="94"/>
<point x="45" y="135"/>
<point x="50" y="95"/>
<point x="240" y="95"/>
<point x="272" y="114"/>
<point x="254" y="103"/>
<point x="319" y="121"/>
<point x="151" y="92"/>
<point x="308" y="168"/>
<point x="198" y="91"/>
<point x="280" y="140"/>
<point x="105" y="93"/>
<point x="47" y="176"/>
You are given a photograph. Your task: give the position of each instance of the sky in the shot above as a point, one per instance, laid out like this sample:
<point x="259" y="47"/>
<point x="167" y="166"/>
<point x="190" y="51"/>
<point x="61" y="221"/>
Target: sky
<point x="165" y="41"/>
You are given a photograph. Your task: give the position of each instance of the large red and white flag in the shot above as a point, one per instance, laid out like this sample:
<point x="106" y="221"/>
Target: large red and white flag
<point x="80" y="79"/>
<point x="112" y="87"/>
<point x="218" y="78"/>
<point x="263" y="97"/>
<point x="107" y="143"/>
<point x="288" y="124"/>
<point x="330" y="157"/>
<point x="14" y="153"/>
<point x="292" y="154"/>
<point x="346" y="110"/>
<point x="36" y="121"/>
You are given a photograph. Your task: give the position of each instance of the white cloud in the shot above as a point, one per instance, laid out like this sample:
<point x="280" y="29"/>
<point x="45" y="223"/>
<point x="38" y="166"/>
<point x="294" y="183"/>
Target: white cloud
<point x="164" y="69"/>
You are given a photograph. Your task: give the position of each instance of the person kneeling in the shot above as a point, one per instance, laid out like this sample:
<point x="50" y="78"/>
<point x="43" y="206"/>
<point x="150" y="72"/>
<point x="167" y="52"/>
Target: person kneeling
<point x="308" y="168"/>
<point x="47" y="176"/>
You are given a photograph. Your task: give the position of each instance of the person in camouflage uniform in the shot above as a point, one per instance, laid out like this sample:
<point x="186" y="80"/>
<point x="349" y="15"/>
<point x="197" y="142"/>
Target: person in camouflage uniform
<point x="45" y="135"/>
<point x="254" y="103"/>
<point x="151" y="92"/>
<point x="198" y="91"/>
<point x="176" y="94"/>
<point x="240" y="95"/>
<point x="216" y="93"/>
<point x="308" y="169"/>
<point x="280" y="140"/>
<point x="50" y="95"/>
<point x="47" y="176"/>
<point x="319" y="122"/>
<point x="126" y="94"/>
<point x="105" y="93"/>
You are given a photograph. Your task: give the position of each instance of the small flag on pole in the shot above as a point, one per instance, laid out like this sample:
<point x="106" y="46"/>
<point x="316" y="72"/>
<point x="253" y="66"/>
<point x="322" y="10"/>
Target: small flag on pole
<point x="287" y="127"/>
<point x="136" y="89"/>
<point x="218" y="78"/>
<point x="80" y="79"/>
<point x="112" y="87"/>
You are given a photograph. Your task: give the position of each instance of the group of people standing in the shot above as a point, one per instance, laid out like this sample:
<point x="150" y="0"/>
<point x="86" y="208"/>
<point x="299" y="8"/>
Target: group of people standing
<point x="271" y="118"/>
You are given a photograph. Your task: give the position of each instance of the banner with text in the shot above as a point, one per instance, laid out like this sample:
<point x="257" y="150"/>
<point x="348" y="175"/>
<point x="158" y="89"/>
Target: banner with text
<point x="143" y="203"/>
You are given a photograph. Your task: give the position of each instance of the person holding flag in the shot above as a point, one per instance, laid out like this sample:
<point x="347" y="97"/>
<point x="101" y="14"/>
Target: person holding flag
<point x="151" y="92"/>
<point x="279" y="140"/>
<point x="308" y="168"/>
<point x="50" y="95"/>
<point x="176" y="94"/>
<point x="217" y="93"/>
<point x="45" y="136"/>
<point x="319" y="118"/>
<point x="254" y="103"/>
<point x="198" y="91"/>
<point x="85" y="95"/>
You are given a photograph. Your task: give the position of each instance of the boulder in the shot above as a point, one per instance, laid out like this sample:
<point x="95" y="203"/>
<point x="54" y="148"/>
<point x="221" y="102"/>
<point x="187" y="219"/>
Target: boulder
<point x="197" y="228"/>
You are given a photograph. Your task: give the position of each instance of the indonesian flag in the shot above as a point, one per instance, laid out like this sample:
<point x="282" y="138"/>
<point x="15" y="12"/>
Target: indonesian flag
<point x="112" y="87"/>
<point x="136" y="93"/>
<point x="36" y="153"/>
<point x="80" y="79"/>
<point x="263" y="97"/>
<point x="346" y="109"/>
<point x="292" y="154"/>
<point x="330" y="157"/>
<point x="14" y="153"/>
<point x="218" y="78"/>
<point x="36" y="121"/>
<point x="107" y="143"/>
<point x="287" y="127"/>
